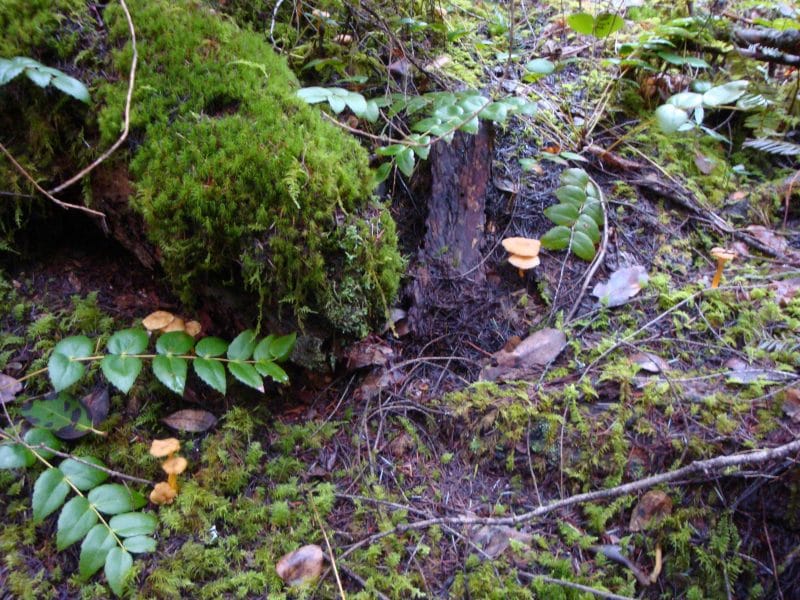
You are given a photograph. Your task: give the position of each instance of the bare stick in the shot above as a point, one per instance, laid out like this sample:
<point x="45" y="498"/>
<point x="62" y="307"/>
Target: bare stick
<point x="48" y="195"/>
<point x="574" y="586"/>
<point x="127" y="117"/>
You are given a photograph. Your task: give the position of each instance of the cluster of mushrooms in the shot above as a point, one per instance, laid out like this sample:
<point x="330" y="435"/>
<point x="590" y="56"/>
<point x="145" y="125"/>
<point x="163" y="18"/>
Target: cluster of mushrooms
<point x="165" y="491"/>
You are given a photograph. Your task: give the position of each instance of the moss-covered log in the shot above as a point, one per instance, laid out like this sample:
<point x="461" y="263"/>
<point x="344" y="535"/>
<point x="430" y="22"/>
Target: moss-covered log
<point x="230" y="177"/>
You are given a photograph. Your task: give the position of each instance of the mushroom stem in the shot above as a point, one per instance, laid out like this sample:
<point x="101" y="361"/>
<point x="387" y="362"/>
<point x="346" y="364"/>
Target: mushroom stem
<point x="172" y="480"/>
<point x="718" y="275"/>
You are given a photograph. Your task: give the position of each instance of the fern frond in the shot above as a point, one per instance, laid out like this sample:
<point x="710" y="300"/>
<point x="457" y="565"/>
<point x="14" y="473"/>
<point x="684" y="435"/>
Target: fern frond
<point x="771" y="146"/>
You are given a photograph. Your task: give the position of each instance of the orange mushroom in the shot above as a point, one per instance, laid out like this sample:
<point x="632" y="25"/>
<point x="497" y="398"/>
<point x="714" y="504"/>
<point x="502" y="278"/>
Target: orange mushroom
<point x="162" y="493"/>
<point x="173" y="467"/>
<point x="162" y="448"/>
<point x="723" y="256"/>
<point x="523" y="252"/>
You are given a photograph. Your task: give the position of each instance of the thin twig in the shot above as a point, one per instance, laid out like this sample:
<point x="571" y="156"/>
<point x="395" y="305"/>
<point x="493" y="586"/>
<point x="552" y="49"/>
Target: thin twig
<point x="331" y="557"/>
<point x="574" y="586"/>
<point x="127" y="115"/>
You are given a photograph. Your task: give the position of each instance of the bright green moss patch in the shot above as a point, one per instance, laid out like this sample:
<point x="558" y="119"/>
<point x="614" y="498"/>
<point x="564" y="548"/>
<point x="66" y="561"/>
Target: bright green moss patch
<point x="237" y="179"/>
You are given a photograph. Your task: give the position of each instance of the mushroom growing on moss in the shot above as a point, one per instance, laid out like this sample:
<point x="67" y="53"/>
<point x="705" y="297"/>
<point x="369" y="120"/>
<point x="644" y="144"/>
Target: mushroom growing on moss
<point x="173" y="467"/>
<point x="723" y="256"/>
<point x="163" y="448"/>
<point x="162" y="493"/>
<point x="523" y="252"/>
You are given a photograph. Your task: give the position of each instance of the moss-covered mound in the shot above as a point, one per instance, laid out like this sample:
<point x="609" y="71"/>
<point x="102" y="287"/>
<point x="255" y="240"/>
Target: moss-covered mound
<point x="237" y="180"/>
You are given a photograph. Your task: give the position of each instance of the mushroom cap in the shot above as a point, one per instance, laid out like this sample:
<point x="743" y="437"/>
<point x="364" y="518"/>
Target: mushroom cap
<point x="157" y="320"/>
<point x="524" y="262"/>
<point x="175" y="465"/>
<point x="176" y="324"/>
<point x="162" y="493"/>
<point x="723" y="254"/>
<point x="162" y="448"/>
<point x="522" y="246"/>
<point x="193" y="328"/>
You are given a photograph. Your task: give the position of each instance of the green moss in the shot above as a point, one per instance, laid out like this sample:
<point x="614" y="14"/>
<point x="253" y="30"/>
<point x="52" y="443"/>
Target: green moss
<point x="238" y="179"/>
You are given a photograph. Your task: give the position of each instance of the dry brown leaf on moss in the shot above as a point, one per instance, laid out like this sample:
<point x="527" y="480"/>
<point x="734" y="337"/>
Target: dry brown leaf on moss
<point x="652" y="507"/>
<point x="190" y="419"/>
<point x="157" y="320"/>
<point x="9" y="388"/>
<point x="301" y="566"/>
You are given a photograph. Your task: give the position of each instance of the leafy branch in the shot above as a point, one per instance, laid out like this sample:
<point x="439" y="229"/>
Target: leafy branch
<point x="578" y="216"/>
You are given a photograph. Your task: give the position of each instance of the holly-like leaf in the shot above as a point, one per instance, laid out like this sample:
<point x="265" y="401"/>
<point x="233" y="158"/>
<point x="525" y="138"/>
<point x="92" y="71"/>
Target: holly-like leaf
<point x="572" y="195"/>
<point x="582" y="245"/>
<point x="133" y="524"/>
<point x="140" y="544"/>
<point x="66" y="416"/>
<point x="119" y="563"/>
<point x="247" y="374"/>
<point x="562" y="214"/>
<point x="576" y="177"/>
<point x="63" y="367"/>
<point x="38" y="436"/>
<point x="174" y="342"/>
<point x="113" y="498"/>
<point x="171" y="371"/>
<point x="83" y="476"/>
<point x="49" y="493"/>
<point x="94" y="549"/>
<point x="210" y="347"/>
<point x="121" y="371"/>
<point x="15" y="456"/>
<point x="281" y="347"/>
<point x="74" y="522"/>
<point x="242" y="346"/>
<point x="211" y="372"/>
<point x="268" y="368"/>
<point x="588" y="226"/>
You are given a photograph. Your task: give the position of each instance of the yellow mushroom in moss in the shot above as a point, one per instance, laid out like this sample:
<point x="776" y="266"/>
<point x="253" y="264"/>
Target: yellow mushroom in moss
<point x="157" y="320"/>
<point x="162" y="493"/>
<point x="523" y="252"/>
<point x="723" y="256"/>
<point x="173" y="467"/>
<point x="164" y="448"/>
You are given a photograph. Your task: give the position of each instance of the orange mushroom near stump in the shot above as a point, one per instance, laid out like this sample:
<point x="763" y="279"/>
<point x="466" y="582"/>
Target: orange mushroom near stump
<point x="723" y="256"/>
<point x="165" y="491"/>
<point x="523" y="252"/>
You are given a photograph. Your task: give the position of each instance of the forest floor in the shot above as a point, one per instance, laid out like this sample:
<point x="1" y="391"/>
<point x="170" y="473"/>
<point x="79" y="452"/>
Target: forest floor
<point x="450" y="455"/>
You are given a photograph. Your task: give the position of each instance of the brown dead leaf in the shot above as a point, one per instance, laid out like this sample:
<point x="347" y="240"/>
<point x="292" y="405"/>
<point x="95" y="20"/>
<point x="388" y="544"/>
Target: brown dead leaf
<point x="438" y="63"/>
<point x="157" y="320"/>
<point x="769" y="238"/>
<point x="97" y="404"/>
<point x="539" y="348"/>
<point x="652" y="507"/>
<point x="373" y="351"/>
<point x="401" y="445"/>
<point x="791" y="404"/>
<point x="704" y="164"/>
<point x="9" y="388"/>
<point x="623" y="285"/>
<point x="191" y="419"/>
<point x="647" y="361"/>
<point x="494" y="540"/>
<point x="786" y="290"/>
<point x="301" y="566"/>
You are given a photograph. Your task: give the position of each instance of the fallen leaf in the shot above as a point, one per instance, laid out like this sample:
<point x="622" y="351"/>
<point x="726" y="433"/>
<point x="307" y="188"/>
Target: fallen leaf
<point x="494" y="539"/>
<point x="652" y="507"/>
<point x="704" y="164"/>
<point x="785" y="290"/>
<point x="157" y="320"/>
<point x="301" y="566"/>
<point x="742" y="373"/>
<point x="647" y="361"/>
<point x="373" y="351"/>
<point x="769" y="238"/>
<point x="9" y="388"/>
<point x="96" y="403"/>
<point x="539" y="348"/>
<point x="401" y="445"/>
<point x="791" y="404"/>
<point x="191" y="419"/>
<point x="623" y="285"/>
<point x="438" y="62"/>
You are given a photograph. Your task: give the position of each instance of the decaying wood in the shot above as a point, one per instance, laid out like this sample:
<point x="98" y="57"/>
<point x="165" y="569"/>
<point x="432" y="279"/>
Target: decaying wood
<point x="769" y="45"/>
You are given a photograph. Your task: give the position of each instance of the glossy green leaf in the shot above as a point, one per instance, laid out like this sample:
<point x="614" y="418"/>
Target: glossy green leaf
<point x="687" y="101"/>
<point x="133" y="523"/>
<point x="211" y="346"/>
<point x="391" y="150"/>
<point x="113" y="498"/>
<point x="121" y="371"/>
<point x="372" y="112"/>
<point x="71" y="87"/>
<point x="562" y="214"/>
<point x="593" y="209"/>
<point x="382" y="173"/>
<point x="669" y="118"/>
<point x="83" y="476"/>
<point x="140" y="544"/>
<point x="336" y="103"/>
<point x="128" y="341"/>
<point x="473" y="103"/>
<point x="281" y="347"/>
<point x="576" y="177"/>
<point x="357" y="103"/>
<point x="314" y="94"/>
<point x="472" y="126"/>
<point x="212" y="373"/>
<point x="15" y="456"/>
<point x="727" y="93"/>
<point x="49" y="493"/>
<point x="405" y="161"/>
<point x="587" y="225"/>
<point x="74" y="522"/>
<point x="119" y="563"/>
<point x="40" y="436"/>
<point x="540" y="66"/>
<point x="9" y="69"/>
<point x="242" y="346"/>
<point x="557" y="238"/>
<point x="496" y="112"/>
<point x="247" y="374"/>
<point x="63" y="368"/>
<point x="572" y="195"/>
<point x="174" y="342"/>
<point x="582" y="245"/>
<point x="66" y="416"/>
<point x="263" y="349"/>
<point x="270" y="369"/>
<point x="94" y="549"/>
<point x="581" y="23"/>
<point x="171" y="371"/>
<point x="607" y="23"/>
